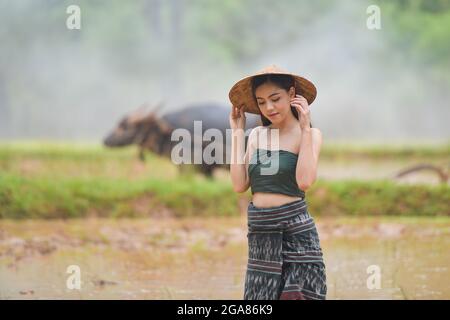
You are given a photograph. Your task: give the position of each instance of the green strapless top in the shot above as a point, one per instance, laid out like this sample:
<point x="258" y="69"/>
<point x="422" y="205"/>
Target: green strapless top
<point x="273" y="171"/>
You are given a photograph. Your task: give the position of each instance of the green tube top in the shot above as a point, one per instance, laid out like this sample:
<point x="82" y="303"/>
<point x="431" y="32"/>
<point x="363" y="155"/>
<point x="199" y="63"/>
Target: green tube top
<point x="266" y="176"/>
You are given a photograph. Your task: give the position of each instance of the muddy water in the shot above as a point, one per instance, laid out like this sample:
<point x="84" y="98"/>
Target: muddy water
<point x="206" y="258"/>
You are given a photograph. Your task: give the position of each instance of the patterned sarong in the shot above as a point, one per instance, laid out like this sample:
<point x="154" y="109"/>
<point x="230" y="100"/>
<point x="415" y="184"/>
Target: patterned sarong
<point x="285" y="258"/>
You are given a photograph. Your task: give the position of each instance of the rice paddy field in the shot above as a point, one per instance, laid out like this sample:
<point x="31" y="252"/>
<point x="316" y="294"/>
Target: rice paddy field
<point x="146" y="230"/>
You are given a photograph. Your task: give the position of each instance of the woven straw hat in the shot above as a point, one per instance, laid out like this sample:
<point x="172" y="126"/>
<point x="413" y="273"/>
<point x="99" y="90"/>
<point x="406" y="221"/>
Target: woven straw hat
<point x="241" y="93"/>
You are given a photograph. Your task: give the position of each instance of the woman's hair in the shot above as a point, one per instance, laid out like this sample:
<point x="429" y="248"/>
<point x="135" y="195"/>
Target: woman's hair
<point x="282" y="81"/>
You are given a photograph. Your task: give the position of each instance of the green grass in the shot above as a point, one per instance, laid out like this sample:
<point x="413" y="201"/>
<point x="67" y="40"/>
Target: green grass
<point x="69" y="180"/>
<point x="378" y="198"/>
<point x="23" y="197"/>
<point x="83" y="150"/>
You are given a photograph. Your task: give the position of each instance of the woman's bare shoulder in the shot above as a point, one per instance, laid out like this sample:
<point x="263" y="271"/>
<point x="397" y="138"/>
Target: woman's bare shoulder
<point x="317" y="138"/>
<point x="252" y="138"/>
<point x="255" y="131"/>
<point x="317" y="133"/>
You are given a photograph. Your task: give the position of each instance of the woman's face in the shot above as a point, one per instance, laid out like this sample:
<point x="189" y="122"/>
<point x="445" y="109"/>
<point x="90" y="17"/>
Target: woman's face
<point x="274" y="102"/>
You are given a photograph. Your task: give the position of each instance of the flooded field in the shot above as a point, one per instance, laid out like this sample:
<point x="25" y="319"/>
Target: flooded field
<point x="205" y="258"/>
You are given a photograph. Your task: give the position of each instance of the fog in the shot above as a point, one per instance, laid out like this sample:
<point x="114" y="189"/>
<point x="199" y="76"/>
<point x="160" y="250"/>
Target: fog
<point x="57" y="83"/>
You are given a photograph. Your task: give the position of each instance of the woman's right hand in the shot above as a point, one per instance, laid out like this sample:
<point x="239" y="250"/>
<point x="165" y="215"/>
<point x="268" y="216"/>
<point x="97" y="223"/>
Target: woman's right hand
<point x="237" y="118"/>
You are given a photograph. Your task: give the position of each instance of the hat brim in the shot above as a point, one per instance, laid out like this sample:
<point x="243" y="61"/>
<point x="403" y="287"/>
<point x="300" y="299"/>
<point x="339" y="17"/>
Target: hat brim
<point x="241" y="95"/>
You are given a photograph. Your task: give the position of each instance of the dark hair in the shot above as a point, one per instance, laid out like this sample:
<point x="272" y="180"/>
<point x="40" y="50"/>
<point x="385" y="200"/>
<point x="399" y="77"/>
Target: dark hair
<point x="282" y="81"/>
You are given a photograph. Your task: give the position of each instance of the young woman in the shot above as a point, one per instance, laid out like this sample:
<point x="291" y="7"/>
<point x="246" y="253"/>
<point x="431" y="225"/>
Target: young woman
<point x="280" y="163"/>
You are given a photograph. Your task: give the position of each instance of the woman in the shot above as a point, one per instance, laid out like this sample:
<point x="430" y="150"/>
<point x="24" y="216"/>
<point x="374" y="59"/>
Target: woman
<point x="285" y="257"/>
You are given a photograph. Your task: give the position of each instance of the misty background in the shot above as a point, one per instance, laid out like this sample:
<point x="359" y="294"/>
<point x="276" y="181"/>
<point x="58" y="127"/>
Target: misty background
<point x="373" y="85"/>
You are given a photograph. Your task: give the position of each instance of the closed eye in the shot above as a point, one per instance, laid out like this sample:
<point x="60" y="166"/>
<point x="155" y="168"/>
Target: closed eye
<point x="261" y="103"/>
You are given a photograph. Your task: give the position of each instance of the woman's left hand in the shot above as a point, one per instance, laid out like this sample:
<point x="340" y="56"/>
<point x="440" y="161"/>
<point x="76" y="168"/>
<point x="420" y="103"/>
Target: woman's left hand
<point x="302" y="106"/>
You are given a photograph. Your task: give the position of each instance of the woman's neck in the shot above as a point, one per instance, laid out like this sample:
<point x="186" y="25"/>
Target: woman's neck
<point x="286" y="125"/>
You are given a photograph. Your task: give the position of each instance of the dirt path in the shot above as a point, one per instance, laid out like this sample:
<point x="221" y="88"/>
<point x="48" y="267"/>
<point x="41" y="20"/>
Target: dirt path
<point x="205" y="258"/>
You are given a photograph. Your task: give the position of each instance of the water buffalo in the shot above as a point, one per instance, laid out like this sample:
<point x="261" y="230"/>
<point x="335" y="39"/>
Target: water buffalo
<point x="152" y="132"/>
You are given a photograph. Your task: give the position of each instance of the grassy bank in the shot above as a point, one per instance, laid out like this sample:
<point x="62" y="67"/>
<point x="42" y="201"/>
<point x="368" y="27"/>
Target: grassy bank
<point x="65" y="180"/>
<point x="22" y="197"/>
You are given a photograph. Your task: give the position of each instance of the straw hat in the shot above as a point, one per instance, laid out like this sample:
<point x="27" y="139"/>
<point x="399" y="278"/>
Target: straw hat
<point x="241" y="93"/>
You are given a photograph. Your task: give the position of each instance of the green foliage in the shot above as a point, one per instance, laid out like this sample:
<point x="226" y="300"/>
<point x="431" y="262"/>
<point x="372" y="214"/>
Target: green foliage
<point x="23" y="197"/>
<point x="42" y="180"/>
<point x="378" y="198"/>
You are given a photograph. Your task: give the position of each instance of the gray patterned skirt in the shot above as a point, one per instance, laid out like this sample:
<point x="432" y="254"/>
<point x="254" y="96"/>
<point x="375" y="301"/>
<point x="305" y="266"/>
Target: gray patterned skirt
<point x="285" y="259"/>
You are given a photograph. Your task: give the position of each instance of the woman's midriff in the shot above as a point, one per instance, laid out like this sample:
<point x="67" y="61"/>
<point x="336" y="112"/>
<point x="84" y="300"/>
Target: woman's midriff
<point x="266" y="199"/>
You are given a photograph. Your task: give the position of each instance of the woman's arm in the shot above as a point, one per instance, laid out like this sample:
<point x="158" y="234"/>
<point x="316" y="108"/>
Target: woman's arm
<point x="239" y="161"/>
<point x="238" y="172"/>
<point x="306" y="172"/>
